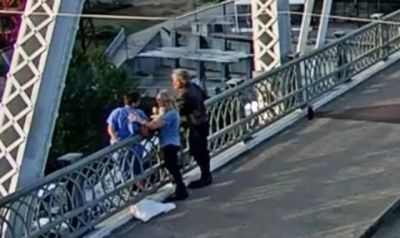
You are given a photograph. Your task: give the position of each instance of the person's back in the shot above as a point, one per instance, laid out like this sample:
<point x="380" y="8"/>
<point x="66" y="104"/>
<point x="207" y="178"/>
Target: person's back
<point x="191" y="104"/>
<point x="118" y="120"/>
<point x="120" y="128"/>
<point x="169" y="132"/>
<point x="134" y="127"/>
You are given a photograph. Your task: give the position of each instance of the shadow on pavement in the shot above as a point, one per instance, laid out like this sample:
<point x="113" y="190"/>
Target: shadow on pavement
<point x="381" y="113"/>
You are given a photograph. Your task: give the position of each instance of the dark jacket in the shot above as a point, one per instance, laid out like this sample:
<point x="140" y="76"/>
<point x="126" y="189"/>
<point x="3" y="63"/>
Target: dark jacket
<point x="191" y="105"/>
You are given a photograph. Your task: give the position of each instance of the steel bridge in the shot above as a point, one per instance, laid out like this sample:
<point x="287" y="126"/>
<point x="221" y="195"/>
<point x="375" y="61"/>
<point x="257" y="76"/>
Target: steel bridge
<point x="328" y="177"/>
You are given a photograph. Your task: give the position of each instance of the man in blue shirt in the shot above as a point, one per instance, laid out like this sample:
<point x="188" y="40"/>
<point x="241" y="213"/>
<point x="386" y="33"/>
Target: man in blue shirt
<point x="120" y="128"/>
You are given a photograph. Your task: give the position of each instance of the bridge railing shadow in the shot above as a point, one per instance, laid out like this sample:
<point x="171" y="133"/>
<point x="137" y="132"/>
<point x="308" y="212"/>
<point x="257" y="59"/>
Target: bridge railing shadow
<point x="380" y="113"/>
<point x="71" y="201"/>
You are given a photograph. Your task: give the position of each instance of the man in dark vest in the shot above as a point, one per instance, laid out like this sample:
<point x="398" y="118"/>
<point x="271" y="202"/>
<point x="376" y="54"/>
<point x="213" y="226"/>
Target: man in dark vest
<point x="193" y="111"/>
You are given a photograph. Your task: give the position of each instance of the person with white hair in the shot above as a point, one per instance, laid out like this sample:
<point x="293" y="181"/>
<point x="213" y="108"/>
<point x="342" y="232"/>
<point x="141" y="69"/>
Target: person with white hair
<point x="193" y="111"/>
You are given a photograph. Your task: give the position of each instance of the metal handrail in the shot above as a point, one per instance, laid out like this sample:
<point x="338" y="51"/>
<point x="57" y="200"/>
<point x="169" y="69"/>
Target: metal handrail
<point x="235" y="115"/>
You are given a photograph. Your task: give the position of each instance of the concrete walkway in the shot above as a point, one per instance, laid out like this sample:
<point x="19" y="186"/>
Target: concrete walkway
<point x="330" y="177"/>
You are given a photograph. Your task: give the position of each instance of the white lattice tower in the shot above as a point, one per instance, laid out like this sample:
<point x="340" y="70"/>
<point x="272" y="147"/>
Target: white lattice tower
<point x="271" y="33"/>
<point x="33" y="89"/>
<point x="271" y="43"/>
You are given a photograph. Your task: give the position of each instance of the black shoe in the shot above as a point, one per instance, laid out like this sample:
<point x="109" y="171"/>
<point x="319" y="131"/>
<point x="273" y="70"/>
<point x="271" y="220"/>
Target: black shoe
<point x="201" y="183"/>
<point x="177" y="196"/>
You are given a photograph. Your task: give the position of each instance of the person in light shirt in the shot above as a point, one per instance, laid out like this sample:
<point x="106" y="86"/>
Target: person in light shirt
<point x="167" y="123"/>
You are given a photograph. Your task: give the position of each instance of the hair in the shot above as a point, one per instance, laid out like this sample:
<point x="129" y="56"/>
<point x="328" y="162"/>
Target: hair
<point x="131" y="97"/>
<point x="167" y="98"/>
<point x="184" y="76"/>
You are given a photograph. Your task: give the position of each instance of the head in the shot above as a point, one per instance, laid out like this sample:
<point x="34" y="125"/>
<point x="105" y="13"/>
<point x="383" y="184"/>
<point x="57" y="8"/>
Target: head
<point x="180" y="79"/>
<point x="165" y="100"/>
<point x="132" y="99"/>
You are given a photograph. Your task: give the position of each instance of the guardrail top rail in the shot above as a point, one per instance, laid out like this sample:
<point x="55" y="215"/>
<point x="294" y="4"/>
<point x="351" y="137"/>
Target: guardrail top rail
<point x="73" y="200"/>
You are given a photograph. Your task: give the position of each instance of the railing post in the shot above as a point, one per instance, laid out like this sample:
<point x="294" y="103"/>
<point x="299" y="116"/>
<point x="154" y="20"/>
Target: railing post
<point x="385" y="41"/>
<point x="225" y="72"/>
<point x="298" y="78"/>
<point x="78" y="195"/>
<point x="341" y="56"/>
<point x="381" y="37"/>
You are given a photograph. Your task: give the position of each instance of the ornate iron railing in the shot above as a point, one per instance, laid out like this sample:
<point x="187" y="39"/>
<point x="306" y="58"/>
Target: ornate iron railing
<point x="73" y="200"/>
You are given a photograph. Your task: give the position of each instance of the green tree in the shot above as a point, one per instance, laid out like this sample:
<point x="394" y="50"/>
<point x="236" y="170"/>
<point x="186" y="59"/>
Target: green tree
<point x="93" y="88"/>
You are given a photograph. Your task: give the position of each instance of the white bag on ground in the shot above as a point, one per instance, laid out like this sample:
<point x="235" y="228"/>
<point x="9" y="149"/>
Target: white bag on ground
<point x="147" y="209"/>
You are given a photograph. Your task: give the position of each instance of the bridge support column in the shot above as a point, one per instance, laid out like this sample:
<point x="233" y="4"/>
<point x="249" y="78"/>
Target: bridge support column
<point x="225" y="72"/>
<point x="33" y="90"/>
<point x="323" y="24"/>
<point x="305" y="27"/>
<point x="272" y="43"/>
<point x="272" y="40"/>
<point x="175" y="43"/>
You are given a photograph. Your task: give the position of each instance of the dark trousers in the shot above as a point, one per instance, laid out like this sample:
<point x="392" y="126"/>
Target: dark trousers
<point x="198" y="146"/>
<point x="170" y="155"/>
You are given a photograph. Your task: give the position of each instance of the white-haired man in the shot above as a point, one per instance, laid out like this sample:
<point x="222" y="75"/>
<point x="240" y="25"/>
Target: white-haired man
<point x="193" y="110"/>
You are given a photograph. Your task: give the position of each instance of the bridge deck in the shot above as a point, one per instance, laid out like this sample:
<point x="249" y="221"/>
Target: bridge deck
<point x="329" y="177"/>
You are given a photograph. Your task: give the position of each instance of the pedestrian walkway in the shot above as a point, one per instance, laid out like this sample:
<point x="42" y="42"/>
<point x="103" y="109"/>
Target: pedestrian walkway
<point x="330" y="177"/>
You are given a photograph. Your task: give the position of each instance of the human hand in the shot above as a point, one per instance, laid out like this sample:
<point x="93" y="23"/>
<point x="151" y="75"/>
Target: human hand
<point x="155" y="110"/>
<point x="114" y="140"/>
<point x="133" y="117"/>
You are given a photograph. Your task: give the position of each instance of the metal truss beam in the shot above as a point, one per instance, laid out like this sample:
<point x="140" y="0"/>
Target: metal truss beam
<point x="305" y="27"/>
<point x="323" y="24"/>
<point x="271" y="33"/>
<point x="33" y="90"/>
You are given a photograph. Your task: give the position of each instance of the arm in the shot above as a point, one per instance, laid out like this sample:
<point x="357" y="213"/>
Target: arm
<point x="152" y="125"/>
<point x="111" y="132"/>
<point x="112" y="122"/>
<point x="134" y="126"/>
<point x="155" y="124"/>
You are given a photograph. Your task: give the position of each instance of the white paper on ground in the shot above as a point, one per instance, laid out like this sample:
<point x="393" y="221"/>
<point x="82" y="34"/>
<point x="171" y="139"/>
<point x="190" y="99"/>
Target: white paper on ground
<point x="147" y="209"/>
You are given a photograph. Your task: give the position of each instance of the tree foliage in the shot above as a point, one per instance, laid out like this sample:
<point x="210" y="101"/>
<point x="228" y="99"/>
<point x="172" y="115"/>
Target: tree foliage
<point x="93" y="88"/>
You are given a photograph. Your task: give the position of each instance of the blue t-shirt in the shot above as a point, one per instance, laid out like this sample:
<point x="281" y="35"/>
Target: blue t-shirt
<point x="169" y="132"/>
<point x="118" y="119"/>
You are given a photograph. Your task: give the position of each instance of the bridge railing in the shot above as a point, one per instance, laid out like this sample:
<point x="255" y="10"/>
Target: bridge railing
<point x="73" y="200"/>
